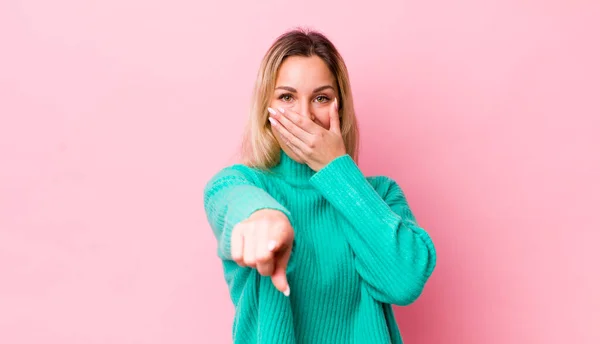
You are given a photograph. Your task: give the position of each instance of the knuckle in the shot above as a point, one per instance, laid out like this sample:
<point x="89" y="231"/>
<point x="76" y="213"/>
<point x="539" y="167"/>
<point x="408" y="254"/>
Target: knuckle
<point x="241" y="228"/>
<point x="249" y="230"/>
<point x="279" y="223"/>
<point x="261" y="224"/>
<point x="263" y="258"/>
<point x="249" y="261"/>
<point x="262" y="272"/>
<point x="237" y="229"/>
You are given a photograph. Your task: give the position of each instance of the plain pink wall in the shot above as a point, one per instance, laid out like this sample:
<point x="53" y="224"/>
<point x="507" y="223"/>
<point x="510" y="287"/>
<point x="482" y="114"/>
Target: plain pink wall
<point x="115" y="113"/>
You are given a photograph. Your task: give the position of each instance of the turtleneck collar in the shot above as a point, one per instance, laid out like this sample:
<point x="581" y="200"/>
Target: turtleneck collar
<point x="291" y="170"/>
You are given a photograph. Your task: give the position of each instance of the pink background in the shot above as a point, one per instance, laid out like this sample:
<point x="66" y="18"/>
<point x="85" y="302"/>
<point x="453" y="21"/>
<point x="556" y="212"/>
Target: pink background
<point x="115" y="113"/>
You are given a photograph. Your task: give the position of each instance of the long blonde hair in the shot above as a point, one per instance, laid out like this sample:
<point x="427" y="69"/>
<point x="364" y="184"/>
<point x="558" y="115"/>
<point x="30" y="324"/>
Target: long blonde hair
<point x="260" y="148"/>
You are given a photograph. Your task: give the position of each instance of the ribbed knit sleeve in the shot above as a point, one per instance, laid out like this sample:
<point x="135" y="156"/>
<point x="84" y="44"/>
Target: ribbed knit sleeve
<point x="394" y="256"/>
<point x="231" y="196"/>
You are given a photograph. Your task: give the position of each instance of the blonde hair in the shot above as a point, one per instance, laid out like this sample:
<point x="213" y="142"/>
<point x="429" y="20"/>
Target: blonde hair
<point x="260" y="148"/>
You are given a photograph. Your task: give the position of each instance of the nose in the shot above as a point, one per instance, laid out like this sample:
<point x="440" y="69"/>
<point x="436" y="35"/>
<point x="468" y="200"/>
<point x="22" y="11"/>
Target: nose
<point x="304" y="109"/>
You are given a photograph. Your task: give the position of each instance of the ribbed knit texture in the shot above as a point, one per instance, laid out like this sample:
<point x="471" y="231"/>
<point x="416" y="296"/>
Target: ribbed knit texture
<point x="357" y="250"/>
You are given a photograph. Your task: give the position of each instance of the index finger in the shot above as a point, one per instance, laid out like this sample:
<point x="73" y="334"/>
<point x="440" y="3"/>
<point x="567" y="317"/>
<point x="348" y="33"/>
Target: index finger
<point x="303" y="122"/>
<point x="276" y="239"/>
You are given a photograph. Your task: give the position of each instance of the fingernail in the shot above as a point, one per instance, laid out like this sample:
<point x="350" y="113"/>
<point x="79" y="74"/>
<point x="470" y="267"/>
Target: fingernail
<point x="273" y="123"/>
<point x="273" y="112"/>
<point x="281" y="109"/>
<point x="335" y="103"/>
<point x="271" y="245"/>
<point x="287" y="291"/>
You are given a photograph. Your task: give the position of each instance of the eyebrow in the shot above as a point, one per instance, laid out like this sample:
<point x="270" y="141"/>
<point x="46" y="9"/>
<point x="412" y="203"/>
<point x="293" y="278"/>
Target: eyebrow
<point x="293" y="90"/>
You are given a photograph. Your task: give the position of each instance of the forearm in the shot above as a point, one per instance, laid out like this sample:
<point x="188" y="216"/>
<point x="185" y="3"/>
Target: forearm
<point x="393" y="254"/>
<point x="231" y="197"/>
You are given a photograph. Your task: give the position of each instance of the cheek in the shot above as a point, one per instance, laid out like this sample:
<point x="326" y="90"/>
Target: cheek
<point x="278" y="103"/>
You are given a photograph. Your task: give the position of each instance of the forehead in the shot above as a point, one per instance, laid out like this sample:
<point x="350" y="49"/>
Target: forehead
<point x="299" y="71"/>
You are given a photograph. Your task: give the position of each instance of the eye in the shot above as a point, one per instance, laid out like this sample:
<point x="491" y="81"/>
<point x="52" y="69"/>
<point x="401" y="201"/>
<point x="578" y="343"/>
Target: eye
<point x="321" y="99"/>
<point x="286" y="97"/>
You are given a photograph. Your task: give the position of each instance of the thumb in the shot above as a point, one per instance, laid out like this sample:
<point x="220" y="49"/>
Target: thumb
<point x="279" y="277"/>
<point x="334" y="117"/>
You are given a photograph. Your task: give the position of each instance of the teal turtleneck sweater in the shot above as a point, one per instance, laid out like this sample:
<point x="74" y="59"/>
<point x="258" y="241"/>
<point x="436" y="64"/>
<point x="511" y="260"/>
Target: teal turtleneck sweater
<point x="357" y="250"/>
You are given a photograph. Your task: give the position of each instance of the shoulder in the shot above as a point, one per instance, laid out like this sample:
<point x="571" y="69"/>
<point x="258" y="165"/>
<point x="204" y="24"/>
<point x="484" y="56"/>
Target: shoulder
<point x="239" y="169"/>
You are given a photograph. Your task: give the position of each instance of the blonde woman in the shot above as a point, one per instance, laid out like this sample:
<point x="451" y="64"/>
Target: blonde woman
<point x="313" y="251"/>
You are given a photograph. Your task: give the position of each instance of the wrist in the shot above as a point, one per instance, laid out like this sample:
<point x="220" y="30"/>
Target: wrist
<point x="268" y="212"/>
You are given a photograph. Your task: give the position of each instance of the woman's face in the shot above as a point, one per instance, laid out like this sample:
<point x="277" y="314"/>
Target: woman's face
<point x="306" y="86"/>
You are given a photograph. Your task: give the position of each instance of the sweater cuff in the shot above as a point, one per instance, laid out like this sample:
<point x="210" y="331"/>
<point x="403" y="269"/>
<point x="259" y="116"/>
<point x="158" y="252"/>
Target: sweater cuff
<point x="343" y="184"/>
<point x="252" y="201"/>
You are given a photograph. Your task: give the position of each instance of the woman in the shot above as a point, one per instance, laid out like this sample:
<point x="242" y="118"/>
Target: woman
<point x="313" y="251"/>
